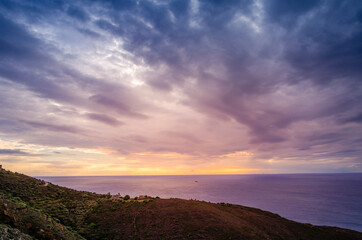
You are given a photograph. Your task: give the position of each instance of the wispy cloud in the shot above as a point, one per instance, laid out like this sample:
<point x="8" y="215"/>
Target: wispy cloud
<point x="16" y="152"/>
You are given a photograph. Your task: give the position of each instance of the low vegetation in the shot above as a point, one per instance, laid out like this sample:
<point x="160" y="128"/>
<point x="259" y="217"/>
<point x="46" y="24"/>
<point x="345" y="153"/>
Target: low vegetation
<point x="33" y="209"/>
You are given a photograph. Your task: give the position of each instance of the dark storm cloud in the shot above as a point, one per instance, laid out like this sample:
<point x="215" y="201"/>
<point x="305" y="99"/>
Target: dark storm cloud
<point x="328" y="45"/>
<point x="167" y="38"/>
<point x="18" y="44"/>
<point x="24" y="60"/>
<point x="323" y="45"/>
<point x="13" y="152"/>
<point x="29" y="61"/>
<point x="77" y="13"/>
<point x="104" y="119"/>
<point x="118" y="106"/>
<point x="54" y="127"/>
<point x="356" y="119"/>
<point x="17" y="152"/>
<point x="288" y="13"/>
<point x="89" y="32"/>
<point x="324" y="139"/>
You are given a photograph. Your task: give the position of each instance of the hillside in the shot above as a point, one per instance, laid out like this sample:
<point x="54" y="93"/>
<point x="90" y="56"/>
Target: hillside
<point x="33" y="209"/>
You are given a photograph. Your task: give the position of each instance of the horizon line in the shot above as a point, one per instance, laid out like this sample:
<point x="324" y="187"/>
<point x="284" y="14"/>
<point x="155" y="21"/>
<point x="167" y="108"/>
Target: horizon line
<point x="160" y="175"/>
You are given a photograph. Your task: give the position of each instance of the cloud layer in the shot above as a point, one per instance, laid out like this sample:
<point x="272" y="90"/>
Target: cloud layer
<point x="201" y="80"/>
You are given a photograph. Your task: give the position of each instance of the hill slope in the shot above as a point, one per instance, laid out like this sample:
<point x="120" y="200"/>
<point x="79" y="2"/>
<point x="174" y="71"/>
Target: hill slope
<point x="46" y="211"/>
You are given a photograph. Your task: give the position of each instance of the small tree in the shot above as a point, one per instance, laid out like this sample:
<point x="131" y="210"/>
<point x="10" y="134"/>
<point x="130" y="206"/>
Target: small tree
<point x="126" y="197"/>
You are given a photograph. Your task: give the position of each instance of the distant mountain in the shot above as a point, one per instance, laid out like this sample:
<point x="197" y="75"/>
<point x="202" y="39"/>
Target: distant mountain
<point x="33" y="209"/>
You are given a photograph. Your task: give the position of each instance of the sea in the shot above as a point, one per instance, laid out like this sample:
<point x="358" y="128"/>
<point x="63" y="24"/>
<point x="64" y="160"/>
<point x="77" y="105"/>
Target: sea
<point x="319" y="199"/>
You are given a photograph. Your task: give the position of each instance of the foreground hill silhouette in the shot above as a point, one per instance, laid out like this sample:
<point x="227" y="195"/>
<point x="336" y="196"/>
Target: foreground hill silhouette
<point x="33" y="209"/>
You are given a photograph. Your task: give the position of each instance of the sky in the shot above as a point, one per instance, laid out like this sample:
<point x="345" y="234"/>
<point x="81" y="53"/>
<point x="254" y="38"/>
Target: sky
<point x="155" y="87"/>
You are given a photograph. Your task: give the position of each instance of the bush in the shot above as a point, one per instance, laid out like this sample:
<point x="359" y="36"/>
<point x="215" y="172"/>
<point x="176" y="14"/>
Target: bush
<point x="92" y="225"/>
<point x="127" y="197"/>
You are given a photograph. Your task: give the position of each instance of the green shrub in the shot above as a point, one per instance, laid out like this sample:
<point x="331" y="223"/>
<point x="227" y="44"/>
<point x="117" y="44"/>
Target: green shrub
<point x="92" y="225"/>
<point x="127" y="197"/>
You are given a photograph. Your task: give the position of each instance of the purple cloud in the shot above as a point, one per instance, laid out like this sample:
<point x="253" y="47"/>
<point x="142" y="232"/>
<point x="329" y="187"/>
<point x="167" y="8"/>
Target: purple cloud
<point x="201" y="77"/>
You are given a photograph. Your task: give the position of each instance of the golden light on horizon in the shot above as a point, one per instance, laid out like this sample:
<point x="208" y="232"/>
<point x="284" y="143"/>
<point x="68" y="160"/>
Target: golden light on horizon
<point x="39" y="160"/>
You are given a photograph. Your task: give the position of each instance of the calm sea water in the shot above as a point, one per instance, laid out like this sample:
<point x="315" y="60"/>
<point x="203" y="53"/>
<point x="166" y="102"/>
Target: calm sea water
<point x="320" y="199"/>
